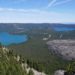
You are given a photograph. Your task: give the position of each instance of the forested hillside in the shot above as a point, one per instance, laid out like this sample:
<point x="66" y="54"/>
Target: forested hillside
<point x="9" y="64"/>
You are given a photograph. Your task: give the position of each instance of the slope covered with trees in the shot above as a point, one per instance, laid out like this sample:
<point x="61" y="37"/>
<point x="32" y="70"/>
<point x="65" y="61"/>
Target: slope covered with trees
<point x="9" y="64"/>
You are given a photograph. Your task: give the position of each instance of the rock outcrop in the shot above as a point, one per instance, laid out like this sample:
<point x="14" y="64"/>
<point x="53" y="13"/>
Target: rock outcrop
<point x="59" y="72"/>
<point x="63" y="48"/>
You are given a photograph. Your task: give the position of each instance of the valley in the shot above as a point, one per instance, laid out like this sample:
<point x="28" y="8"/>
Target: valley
<point x="36" y="49"/>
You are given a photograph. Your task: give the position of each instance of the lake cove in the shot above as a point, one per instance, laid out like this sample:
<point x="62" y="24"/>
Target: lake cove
<point x="8" y="39"/>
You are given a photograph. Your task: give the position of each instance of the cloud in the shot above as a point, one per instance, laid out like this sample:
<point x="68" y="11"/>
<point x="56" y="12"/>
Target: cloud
<point x="10" y="15"/>
<point x="26" y="16"/>
<point x="18" y="10"/>
<point x="62" y="2"/>
<point x="56" y="2"/>
<point x="51" y="3"/>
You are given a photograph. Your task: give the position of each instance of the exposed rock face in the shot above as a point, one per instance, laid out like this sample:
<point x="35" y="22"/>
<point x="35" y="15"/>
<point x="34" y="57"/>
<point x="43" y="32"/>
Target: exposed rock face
<point x="59" y="72"/>
<point x="63" y="48"/>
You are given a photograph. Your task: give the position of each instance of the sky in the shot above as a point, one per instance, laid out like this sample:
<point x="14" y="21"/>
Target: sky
<point x="37" y="11"/>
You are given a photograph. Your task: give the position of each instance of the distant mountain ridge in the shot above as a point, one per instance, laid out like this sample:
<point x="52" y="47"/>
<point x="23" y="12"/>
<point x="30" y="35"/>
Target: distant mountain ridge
<point x="10" y="27"/>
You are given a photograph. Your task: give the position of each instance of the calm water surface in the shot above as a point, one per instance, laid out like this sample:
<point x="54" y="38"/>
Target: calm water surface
<point x="7" y="39"/>
<point x="63" y="29"/>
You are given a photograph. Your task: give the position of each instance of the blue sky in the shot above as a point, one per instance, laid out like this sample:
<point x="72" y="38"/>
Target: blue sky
<point x="37" y="11"/>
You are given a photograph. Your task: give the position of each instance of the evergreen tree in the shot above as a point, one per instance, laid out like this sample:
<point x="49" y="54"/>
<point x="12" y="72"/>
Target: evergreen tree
<point x="70" y="69"/>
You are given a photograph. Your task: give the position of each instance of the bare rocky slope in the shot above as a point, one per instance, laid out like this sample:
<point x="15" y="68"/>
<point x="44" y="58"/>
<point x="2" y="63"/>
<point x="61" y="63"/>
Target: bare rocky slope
<point x="63" y="48"/>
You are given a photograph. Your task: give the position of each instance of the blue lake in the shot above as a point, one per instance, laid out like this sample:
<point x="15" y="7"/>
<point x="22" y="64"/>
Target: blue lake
<point x="63" y="28"/>
<point x="8" y="39"/>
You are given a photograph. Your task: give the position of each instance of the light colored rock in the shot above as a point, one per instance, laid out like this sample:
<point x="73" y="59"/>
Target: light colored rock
<point x="24" y="66"/>
<point x="38" y="73"/>
<point x="50" y="35"/>
<point x="18" y="58"/>
<point x="45" y="39"/>
<point x="59" y="72"/>
<point x="64" y="48"/>
<point x="5" y="50"/>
